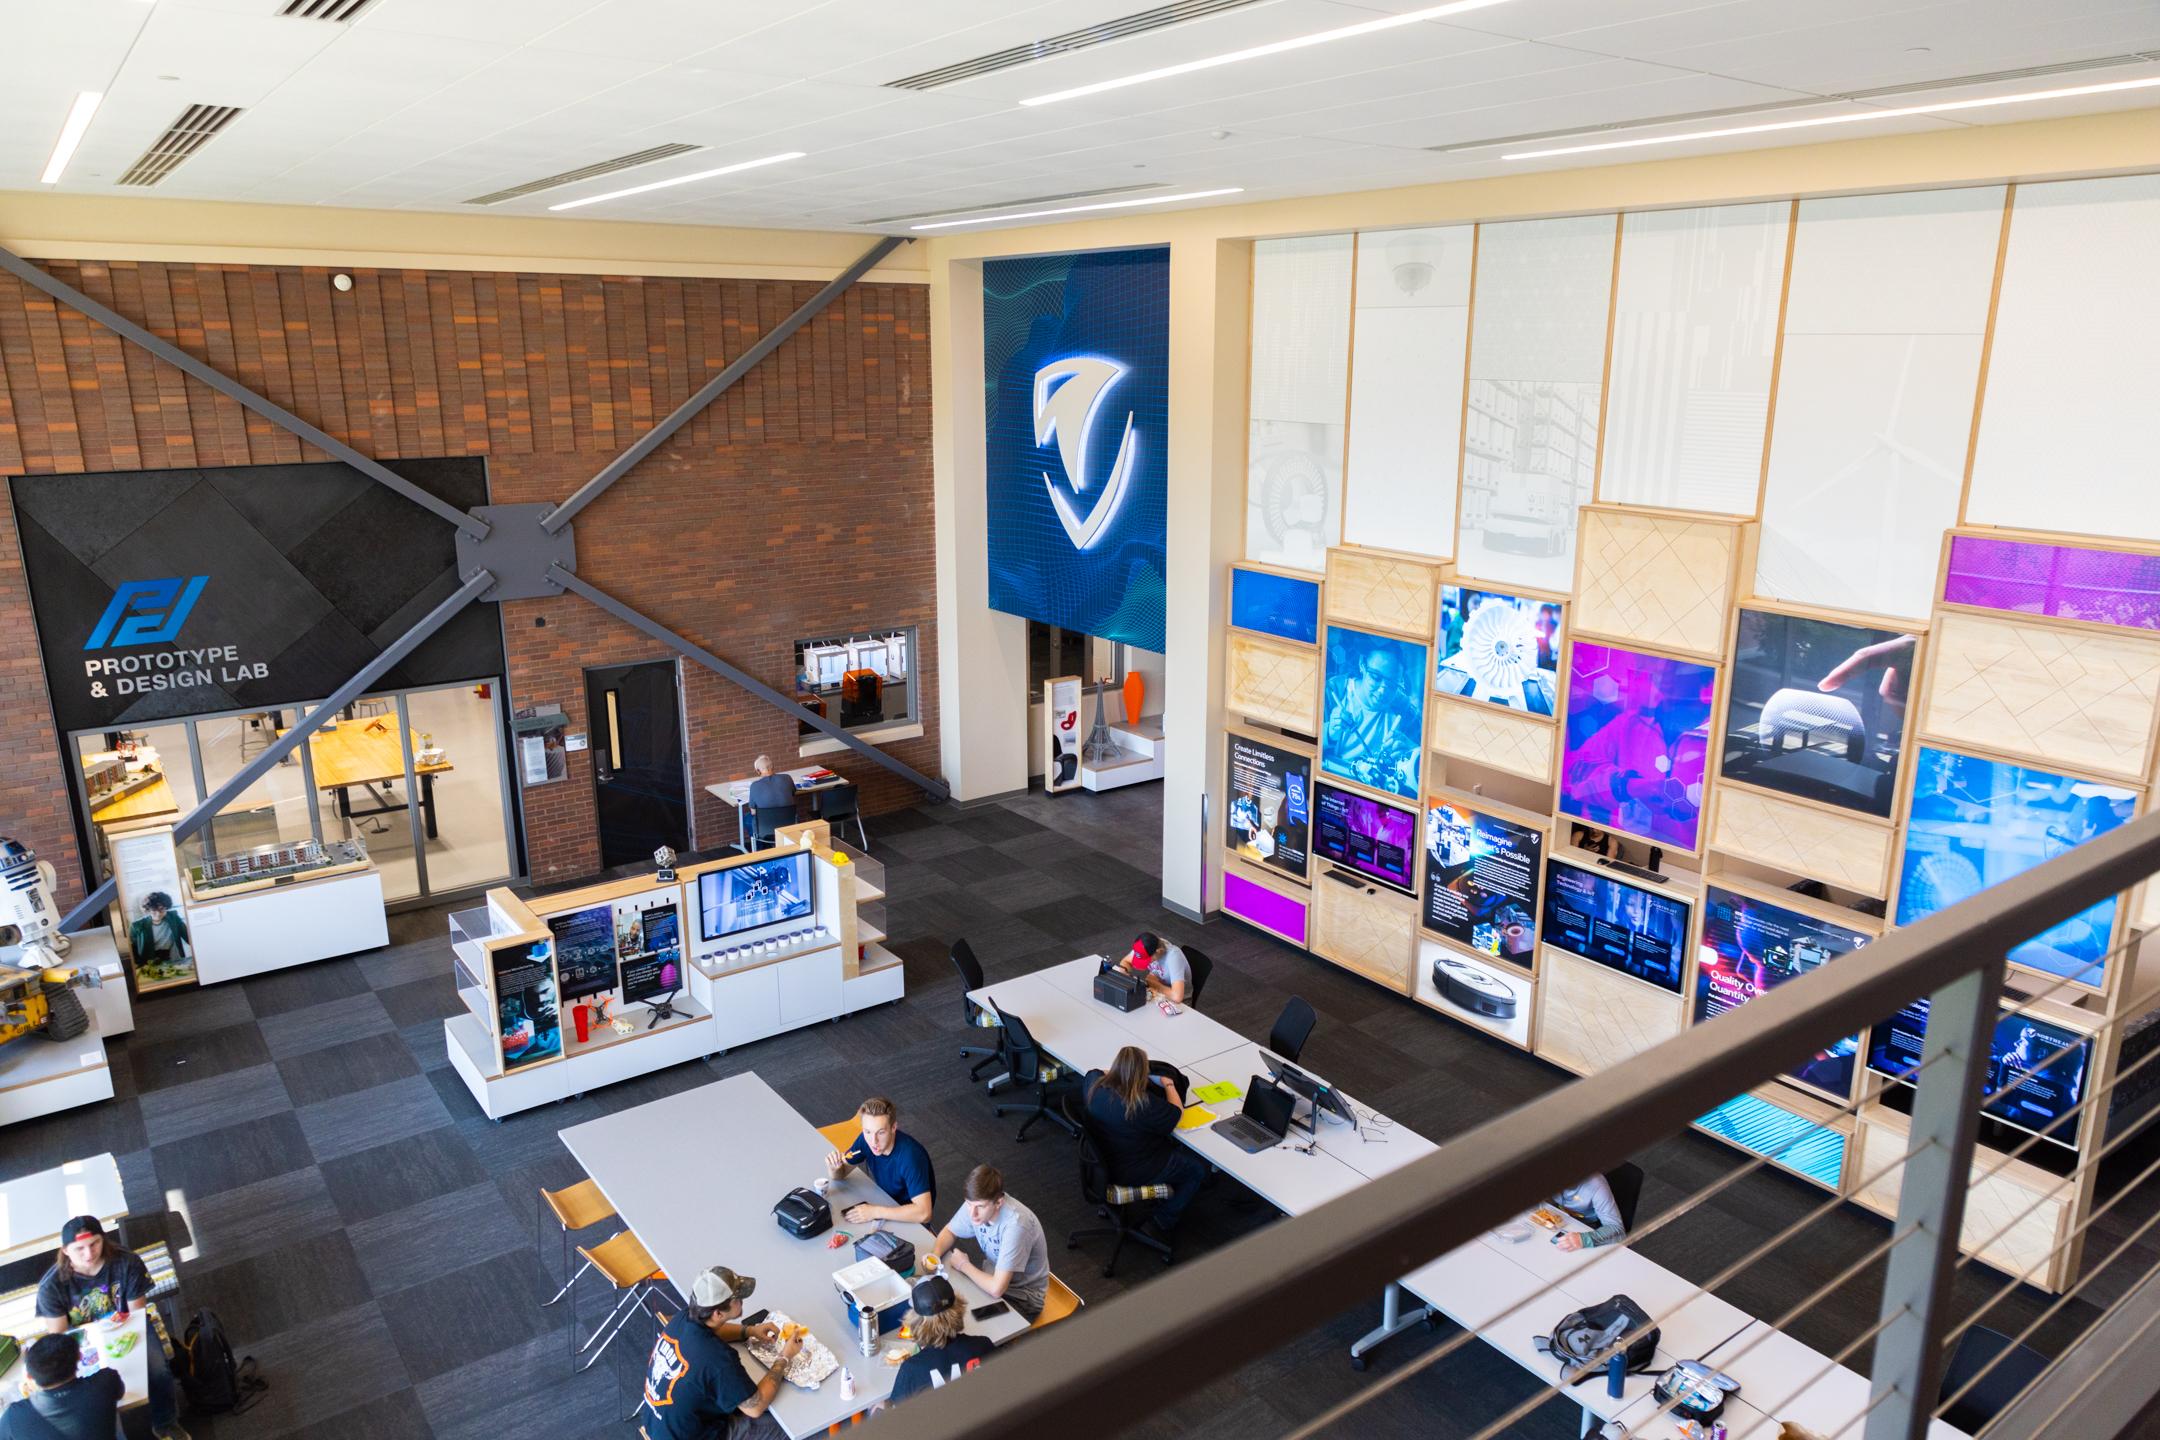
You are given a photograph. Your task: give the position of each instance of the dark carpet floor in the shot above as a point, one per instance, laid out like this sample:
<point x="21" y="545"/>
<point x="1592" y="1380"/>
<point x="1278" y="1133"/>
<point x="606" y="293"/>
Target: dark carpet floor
<point x="368" y="1235"/>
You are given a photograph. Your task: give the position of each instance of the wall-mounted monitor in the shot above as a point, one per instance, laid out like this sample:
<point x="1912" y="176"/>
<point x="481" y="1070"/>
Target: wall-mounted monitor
<point x="584" y="950"/>
<point x="1637" y="743"/>
<point x="1631" y="928"/>
<point x="754" y="894"/>
<point x="1481" y="874"/>
<point x="1975" y="823"/>
<point x="1750" y="946"/>
<point x="1372" y="720"/>
<point x="1277" y="605"/>
<point x="1818" y="709"/>
<point x="1269" y="821"/>
<point x="2023" y="1087"/>
<point x="1365" y="836"/>
<point x="1499" y="648"/>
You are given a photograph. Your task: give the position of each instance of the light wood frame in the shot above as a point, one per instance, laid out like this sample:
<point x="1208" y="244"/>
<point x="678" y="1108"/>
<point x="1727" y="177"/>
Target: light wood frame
<point x="1273" y="741"/>
<point x="1629" y="608"/>
<point x="1385" y="591"/>
<point x="1571" y="988"/>
<point x="1368" y="929"/>
<point x="1297" y="673"/>
<point x="1449" y="581"/>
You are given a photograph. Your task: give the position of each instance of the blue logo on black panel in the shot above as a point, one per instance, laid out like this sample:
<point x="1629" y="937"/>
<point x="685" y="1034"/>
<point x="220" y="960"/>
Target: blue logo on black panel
<point x="147" y="612"/>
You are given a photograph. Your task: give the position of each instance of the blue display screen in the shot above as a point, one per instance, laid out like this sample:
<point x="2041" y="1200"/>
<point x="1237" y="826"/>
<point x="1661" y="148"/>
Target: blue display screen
<point x="1275" y="605"/>
<point x="1797" y="1144"/>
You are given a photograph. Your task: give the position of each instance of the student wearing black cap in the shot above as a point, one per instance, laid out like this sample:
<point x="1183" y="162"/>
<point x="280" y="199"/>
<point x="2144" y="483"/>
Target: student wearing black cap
<point x="695" y="1384"/>
<point x="945" y="1351"/>
<point x="61" y="1405"/>
<point x="93" y="1279"/>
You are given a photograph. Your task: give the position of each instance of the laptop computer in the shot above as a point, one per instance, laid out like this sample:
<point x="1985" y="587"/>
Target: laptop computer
<point x="1265" y="1120"/>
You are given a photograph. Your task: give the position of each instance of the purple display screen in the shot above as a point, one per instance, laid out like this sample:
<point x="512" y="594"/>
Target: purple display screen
<point x="2070" y="582"/>
<point x="1374" y="839"/>
<point x="1263" y="907"/>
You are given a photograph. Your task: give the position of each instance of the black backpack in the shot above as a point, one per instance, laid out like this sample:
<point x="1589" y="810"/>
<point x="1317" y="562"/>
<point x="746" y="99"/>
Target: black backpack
<point x="214" y="1384"/>
<point x="1584" y="1339"/>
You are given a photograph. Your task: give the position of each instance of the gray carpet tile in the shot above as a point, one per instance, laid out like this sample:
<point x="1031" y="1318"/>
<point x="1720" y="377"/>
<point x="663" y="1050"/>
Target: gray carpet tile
<point x="337" y="1070"/>
<point x="529" y="1379"/>
<point x="304" y="985"/>
<point x="162" y="1062"/>
<point x="455" y="1317"/>
<point x="402" y="1172"/>
<point x="200" y="1106"/>
<point x="364" y="1119"/>
<point x="261" y="1295"/>
<point x="318" y="1027"/>
<point x="330" y="1375"/>
<point x="408" y="1247"/>
<point x="257" y="1219"/>
<point x="233" y="1156"/>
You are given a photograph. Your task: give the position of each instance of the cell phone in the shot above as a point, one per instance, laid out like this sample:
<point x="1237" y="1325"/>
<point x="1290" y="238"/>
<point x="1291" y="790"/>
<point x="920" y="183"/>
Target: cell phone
<point x="1169" y="1007"/>
<point x="757" y="1319"/>
<point x="991" y="1311"/>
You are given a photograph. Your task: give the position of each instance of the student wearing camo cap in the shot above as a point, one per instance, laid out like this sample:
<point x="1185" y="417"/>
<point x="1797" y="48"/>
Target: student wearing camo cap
<point x="695" y="1384"/>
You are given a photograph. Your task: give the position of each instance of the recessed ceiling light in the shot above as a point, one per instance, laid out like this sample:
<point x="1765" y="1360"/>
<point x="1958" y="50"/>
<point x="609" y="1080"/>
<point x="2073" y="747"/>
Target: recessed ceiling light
<point x="680" y="180"/>
<point x="71" y="134"/>
<point x="1075" y="209"/>
<point x="2144" y="84"/>
<point x="1347" y="32"/>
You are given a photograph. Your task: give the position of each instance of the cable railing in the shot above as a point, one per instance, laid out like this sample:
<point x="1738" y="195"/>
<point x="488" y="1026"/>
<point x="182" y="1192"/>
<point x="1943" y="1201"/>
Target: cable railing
<point x="1126" y="1360"/>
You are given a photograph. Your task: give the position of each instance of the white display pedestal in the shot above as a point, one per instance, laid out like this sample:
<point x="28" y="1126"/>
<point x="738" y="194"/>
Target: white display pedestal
<point x="40" y="1076"/>
<point x="1141" y="748"/>
<point x="294" y="924"/>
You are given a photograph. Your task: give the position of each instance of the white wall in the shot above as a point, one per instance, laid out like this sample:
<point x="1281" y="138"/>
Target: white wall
<point x="1300" y="383"/>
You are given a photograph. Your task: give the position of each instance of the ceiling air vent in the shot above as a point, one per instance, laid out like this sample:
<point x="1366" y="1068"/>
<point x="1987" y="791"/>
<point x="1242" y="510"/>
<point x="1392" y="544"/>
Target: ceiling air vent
<point x="196" y="127"/>
<point x="1124" y="27"/>
<point x="586" y="172"/>
<point x="338" y="10"/>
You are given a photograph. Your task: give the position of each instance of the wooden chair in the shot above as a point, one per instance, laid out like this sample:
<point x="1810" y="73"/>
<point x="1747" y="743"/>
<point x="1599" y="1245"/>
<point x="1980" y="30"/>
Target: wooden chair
<point x="842" y="1134"/>
<point x="579" y="1207"/>
<point x="632" y="1271"/>
<point x="1060" y="1303"/>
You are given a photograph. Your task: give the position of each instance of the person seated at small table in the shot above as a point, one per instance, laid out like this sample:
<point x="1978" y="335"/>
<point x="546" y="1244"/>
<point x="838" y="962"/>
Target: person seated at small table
<point x="1135" y="1116"/>
<point x="768" y="789"/>
<point x="946" y="1351"/>
<point x="895" y="1163"/>
<point x="695" y="1384"/>
<point x="1161" y="966"/>
<point x="1590" y="1202"/>
<point x="92" y="1279"/>
<point x="61" y="1405"/>
<point x="1016" y="1258"/>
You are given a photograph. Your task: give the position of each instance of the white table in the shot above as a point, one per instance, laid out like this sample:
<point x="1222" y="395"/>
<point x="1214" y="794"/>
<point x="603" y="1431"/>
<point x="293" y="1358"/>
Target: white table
<point x="34" y="1207"/>
<point x="737" y="793"/>
<point x="134" y="1367"/>
<point x="1060" y="1011"/>
<point x="695" y="1177"/>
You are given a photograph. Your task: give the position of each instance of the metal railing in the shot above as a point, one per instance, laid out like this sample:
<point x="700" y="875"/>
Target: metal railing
<point x="1127" y="1359"/>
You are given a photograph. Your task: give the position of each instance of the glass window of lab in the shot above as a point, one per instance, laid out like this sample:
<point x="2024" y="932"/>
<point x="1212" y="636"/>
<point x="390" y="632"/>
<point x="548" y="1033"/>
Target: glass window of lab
<point x="859" y="681"/>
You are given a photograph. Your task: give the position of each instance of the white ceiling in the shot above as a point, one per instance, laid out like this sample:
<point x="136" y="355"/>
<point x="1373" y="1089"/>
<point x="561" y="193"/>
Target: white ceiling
<point x="422" y="104"/>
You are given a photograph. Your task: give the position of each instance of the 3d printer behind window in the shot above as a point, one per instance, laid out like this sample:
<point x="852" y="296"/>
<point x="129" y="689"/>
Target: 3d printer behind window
<point x="862" y="680"/>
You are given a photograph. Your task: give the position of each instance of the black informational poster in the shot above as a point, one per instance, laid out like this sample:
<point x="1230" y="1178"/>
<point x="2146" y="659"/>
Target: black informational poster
<point x="1481" y="880"/>
<point x="2035" y="1073"/>
<point x="526" y="1017"/>
<point x="1270" y="819"/>
<point x="584" y="951"/>
<point x="1634" y="930"/>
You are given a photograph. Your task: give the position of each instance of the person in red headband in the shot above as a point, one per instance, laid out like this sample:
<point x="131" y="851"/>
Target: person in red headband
<point x="1161" y="966"/>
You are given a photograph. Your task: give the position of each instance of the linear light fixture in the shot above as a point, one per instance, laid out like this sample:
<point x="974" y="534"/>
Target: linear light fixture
<point x="1075" y="209"/>
<point x="71" y="134"/>
<point x="2144" y="84"/>
<point x="680" y="180"/>
<point x="1347" y="32"/>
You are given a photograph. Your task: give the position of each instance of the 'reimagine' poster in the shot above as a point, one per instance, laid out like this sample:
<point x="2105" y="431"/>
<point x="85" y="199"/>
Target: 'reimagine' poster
<point x="1481" y="874"/>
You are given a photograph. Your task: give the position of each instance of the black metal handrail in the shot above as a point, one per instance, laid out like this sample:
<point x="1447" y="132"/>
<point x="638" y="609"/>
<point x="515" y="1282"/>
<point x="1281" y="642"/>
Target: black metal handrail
<point x="1123" y="1360"/>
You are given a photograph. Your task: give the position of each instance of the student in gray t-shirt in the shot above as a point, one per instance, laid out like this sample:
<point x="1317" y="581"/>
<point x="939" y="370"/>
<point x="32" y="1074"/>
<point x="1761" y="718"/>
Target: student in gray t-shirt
<point x="1161" y="965"/>
<point x="1016" y="1258"/>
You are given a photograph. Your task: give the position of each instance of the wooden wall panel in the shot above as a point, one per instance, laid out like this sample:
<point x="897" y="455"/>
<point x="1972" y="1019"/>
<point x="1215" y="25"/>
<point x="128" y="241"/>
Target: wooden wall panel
<point x="1663" y="580"/>
<point x="1372" y="933"/>
<point x="1491" y="735"/>
<point x="1836" y="849"/>
<point x="1380" y="592"/>
<point x="1591" y="1018"/>
<point x="1278" y="684"/>
<point x="2079" y="698"/>
<point x="2030" y="1226"/>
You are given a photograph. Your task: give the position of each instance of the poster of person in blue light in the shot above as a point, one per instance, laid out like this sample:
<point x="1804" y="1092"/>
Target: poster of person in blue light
<point x="1373" y="723"/>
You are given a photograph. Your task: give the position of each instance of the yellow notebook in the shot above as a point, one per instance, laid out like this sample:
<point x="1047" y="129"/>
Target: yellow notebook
<point x="1196" y="1117"/>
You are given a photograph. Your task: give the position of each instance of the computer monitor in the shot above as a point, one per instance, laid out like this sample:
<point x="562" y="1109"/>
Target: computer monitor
<point x="1300" y="1084"/>
<point x="760" y="892"/>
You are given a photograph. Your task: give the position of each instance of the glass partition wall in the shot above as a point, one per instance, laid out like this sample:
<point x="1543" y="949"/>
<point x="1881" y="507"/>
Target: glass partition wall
<point x="416" y="776"/>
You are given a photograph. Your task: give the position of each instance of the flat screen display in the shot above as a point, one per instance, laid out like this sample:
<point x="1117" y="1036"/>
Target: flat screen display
<point x="1373" y="722"/>
<point x="585" y="950"/>
<point x="2021" y="1090"/>
<point x="1818" y="709"/>
<point x="1275" y="605"/>
<point x="1503" y="649"/>
<point x="1624" y="926"/>
<point x="762" y="892"/>
<point x="657" y="968"/>
<point x="1481" y="880"/>
<point x="1976" y="823"/>
<point x="1750" y="946"/>
<point x="1638" y="737"/>
<point x="1374" y="839"/>
<point x="1270" y="816"/>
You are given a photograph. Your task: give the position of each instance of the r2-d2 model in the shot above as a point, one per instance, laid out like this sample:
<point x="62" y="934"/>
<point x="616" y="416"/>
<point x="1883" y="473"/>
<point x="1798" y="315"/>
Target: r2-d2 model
<point x="31" y="917"/>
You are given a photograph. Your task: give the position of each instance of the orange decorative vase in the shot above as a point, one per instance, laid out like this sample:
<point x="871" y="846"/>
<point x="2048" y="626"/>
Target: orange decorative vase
<point x="1135" y="692"/>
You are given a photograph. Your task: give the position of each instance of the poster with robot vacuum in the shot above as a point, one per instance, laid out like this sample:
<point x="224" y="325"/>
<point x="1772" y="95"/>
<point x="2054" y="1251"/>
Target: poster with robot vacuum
<point x="1489" y="995"/>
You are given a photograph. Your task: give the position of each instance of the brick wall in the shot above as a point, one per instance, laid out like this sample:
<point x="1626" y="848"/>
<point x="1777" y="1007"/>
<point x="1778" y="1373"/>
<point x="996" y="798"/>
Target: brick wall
<point x="799" y="504"/>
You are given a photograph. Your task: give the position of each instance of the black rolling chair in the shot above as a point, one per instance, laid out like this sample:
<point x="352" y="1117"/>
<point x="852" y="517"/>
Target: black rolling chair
<point x="838" y="804"/>
<point x="1110" y="1199"/>
<point x="1976" y="1349"/>
<point x="1626" y="1182"/>
<point x="1032" y="1072"/>
<point x="1292" y="1029"/>
<point x="1202" y="967"/>
<point x="971" y="980"/>
<point x="765" y="821"/>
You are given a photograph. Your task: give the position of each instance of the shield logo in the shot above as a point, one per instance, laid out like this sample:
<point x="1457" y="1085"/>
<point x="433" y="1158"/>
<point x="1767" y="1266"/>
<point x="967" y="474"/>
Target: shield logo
<point x="1068" y="393"/>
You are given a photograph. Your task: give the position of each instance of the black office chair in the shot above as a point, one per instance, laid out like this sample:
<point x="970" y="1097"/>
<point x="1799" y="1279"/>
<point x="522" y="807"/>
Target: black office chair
<point x="1202" y="967"/>
<point x="1976" y="1348"/>
<point x="1626" y="1182"/>
<point x="1110" y="1199"/>
<point x="971" y="980"/>
<point x="1292" y="1029"/>
<point x="840" y="804"/>
<point x="1029" y="1069"/>
<point x="765" y="821"/>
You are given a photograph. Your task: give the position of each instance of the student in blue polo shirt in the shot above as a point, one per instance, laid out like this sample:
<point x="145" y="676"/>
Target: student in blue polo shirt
<point x="895" y="1163"/>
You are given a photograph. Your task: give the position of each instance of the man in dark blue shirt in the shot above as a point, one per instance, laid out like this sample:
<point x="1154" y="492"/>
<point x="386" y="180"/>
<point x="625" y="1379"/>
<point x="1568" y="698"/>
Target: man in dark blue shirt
<point x="695" y="1384"/>
<point x="895" y="1163"/>
<point x="63" y="1407"/>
